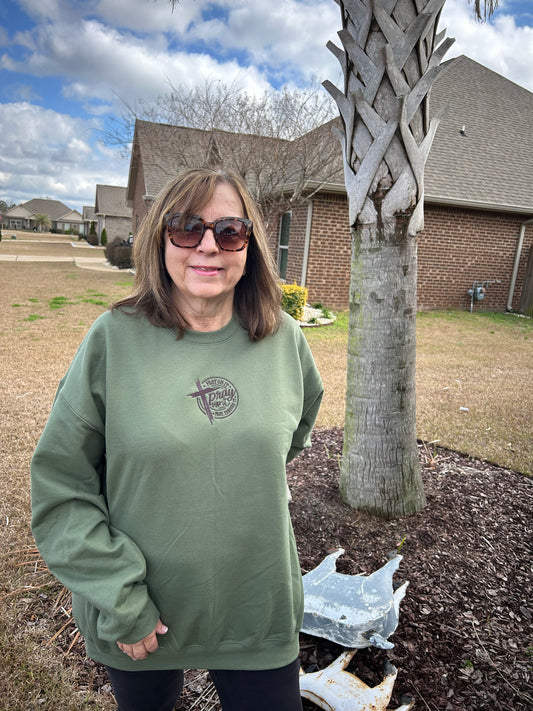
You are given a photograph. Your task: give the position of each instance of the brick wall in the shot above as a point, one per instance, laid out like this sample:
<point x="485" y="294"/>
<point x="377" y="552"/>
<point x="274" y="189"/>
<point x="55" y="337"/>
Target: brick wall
<point x="117" y="228"/>
<point x="328" y="270"/>
<point x="456" y="248"/>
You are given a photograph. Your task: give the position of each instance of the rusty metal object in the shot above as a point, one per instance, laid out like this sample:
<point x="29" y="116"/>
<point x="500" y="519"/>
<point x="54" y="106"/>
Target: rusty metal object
<point x="335" y="689"/>
<point x="355" y="611"/>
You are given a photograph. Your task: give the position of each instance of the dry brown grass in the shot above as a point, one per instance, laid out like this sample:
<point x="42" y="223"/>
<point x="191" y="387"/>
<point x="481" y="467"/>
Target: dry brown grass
<point x="37" y="342"/>
<point x="47" y="245"/>
<point x="483" y="363"/>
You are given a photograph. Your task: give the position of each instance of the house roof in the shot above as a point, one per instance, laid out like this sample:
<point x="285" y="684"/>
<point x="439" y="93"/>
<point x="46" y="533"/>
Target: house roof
<point x="40" y="206"/>
<point x="158" y="149"/>
<point x="490" y="167"/>
<point x="111" y="201"/>
<point x="489" y="164"/>
<point x="88" y="212"/>
<point x="163" y="151"/>
<point x="71" y="216"/>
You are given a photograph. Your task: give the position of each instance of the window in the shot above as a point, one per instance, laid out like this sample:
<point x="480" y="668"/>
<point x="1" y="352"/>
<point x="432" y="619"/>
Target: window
<point x="283" y="246"/>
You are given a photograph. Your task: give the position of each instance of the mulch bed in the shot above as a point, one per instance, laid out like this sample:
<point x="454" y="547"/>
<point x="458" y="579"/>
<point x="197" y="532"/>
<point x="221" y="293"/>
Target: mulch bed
<point x="465" y="637"/>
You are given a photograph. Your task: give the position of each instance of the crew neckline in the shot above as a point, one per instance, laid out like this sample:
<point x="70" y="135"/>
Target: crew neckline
<point x="219" y="336"/>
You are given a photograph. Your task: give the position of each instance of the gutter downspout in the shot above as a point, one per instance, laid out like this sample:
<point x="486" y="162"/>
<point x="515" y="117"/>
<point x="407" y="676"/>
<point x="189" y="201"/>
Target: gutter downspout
<point x="517" y="262"/>
<point x="307" y="242"/>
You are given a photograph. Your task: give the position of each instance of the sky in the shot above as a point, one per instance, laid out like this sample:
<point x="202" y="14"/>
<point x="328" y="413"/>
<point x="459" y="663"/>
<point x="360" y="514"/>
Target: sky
<point x="69" y="67"/>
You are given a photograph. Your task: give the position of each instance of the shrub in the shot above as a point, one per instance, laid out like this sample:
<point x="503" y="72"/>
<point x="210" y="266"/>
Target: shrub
<point x="293" y="300"/>
<point x="119" y="254"/>
<point x="103" y="237"/>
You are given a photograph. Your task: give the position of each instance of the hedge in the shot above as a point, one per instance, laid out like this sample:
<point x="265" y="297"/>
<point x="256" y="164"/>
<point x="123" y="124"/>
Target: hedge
<point x="119" y="254"/>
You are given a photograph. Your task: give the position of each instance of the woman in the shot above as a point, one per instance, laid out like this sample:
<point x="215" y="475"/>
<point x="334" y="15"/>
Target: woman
<point x="159" y="487"/>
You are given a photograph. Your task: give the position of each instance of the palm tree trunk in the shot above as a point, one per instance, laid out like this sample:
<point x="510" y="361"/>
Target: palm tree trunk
<point x="391" y="57"/>
<point x="380" y="471"/>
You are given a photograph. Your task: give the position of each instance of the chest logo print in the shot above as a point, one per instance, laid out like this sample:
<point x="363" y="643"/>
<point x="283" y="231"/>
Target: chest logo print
<point x="216" y="397"/>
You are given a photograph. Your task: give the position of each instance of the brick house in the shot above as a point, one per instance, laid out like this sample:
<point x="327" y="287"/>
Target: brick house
<point x="478" y="200"/>
<point x="112" y="213"/>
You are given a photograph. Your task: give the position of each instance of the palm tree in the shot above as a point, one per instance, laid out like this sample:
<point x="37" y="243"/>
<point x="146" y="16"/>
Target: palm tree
<point x="390" y="58"/>
<point x="43" y="222"/>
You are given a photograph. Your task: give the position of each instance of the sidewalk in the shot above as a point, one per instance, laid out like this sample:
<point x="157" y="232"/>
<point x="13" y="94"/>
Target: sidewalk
<point x="96" y="263"/>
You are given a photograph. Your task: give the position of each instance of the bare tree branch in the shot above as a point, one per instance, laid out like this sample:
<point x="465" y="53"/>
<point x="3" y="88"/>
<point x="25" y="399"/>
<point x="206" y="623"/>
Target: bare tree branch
<point x="281" y="142"/>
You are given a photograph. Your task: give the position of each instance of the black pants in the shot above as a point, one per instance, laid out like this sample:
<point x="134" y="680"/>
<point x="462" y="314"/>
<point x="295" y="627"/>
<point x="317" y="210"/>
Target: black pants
<point x="269" y="690"/>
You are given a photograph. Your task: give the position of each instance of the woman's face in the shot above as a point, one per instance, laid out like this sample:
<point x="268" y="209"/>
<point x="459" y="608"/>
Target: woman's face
<point x="205" y="276"/>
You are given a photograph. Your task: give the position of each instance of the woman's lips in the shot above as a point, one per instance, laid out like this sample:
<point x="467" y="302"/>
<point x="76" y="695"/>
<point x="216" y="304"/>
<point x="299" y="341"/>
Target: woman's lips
<point x="206" y="270"/>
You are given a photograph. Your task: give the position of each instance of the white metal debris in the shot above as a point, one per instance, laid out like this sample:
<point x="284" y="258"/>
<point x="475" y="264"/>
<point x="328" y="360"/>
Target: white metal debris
<point x="355" y="611"/>
<point x="335" y="689"/>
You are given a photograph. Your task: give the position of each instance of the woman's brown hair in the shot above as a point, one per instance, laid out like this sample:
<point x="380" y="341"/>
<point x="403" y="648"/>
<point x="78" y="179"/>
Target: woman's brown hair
<point x="257" y="295"/>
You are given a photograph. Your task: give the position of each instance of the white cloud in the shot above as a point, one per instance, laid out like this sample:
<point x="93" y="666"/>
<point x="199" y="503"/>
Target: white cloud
<point x="99" y="63"/>
<point x="101" y="50"/>
<point x="499" y="45"/>
<point x="148" y="16"/>
<point x="47" y="154"/>
<point x="289" y="35"/>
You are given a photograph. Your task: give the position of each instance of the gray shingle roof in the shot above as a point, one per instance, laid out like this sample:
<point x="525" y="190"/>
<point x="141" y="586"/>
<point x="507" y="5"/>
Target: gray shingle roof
<point x="42" y="206"/>
<point x="111" y="200"/>
<point x="491" y="165"/>
<point x="163" y="151"/>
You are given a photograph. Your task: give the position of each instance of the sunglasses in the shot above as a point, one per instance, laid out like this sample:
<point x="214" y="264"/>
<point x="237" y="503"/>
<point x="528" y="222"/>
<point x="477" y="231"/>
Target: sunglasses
<point x="231" y="233"/>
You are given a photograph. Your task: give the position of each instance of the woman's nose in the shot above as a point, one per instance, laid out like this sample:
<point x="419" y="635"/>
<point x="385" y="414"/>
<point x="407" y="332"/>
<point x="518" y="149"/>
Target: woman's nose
<point x="208" y="242"/>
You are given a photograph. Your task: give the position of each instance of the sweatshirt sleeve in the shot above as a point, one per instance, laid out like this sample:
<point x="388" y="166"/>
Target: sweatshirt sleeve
<point x="313" y="391"/>
<point x="70" y="517"/>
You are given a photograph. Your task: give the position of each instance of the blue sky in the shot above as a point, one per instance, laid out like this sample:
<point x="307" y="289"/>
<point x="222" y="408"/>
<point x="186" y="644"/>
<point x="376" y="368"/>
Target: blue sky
<point x="65" y="66"/>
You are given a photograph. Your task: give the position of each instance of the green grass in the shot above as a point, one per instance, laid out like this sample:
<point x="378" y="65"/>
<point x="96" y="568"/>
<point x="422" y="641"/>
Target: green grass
<point x="58" y="302"/>
<point x="34" y="317"/>
<point x="92" y="300"/>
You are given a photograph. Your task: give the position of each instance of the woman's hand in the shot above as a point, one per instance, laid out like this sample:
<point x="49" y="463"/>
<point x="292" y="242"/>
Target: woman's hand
<point x="148" y="644"/>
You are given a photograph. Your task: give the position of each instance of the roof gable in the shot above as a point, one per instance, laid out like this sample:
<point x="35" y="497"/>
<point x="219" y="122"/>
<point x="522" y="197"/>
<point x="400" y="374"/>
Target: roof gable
<point x="164" y="151"/>
<point x="71" y="216"/>
<point x="18" y="211"/>
<point x="111" y="201"/>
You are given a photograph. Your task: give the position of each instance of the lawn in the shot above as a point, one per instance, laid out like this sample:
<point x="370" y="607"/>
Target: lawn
<point x="474" y="382"/>
<point x="474" y="379"/>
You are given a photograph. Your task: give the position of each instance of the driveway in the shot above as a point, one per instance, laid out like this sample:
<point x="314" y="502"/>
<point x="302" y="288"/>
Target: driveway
<point x="26" y="247"/>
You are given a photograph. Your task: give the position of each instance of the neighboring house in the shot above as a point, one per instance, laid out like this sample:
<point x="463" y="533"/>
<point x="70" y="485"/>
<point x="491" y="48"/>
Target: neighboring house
<point x="161" y="151"/>
<point x="62" y="218"/>
<point x="478" y="204"/>
<point x="71" y="221"/>
<point x="112" y="213"/>
<point x="88" y="218"/>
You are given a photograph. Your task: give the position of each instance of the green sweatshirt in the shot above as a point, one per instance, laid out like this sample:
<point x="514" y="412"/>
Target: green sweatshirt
<point x="159" y="490"/>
